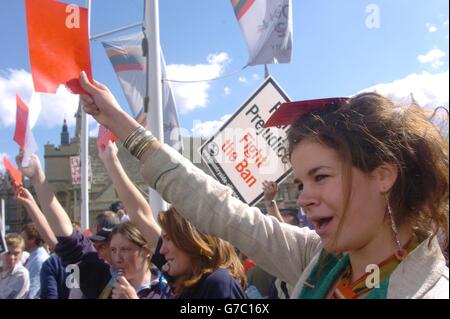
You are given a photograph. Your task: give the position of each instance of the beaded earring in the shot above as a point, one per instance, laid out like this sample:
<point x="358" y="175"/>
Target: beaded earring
<point x="400" y="254"/>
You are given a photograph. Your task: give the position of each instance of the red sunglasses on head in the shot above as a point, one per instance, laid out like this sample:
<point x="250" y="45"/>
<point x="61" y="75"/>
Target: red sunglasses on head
<point x="289" y="112"/>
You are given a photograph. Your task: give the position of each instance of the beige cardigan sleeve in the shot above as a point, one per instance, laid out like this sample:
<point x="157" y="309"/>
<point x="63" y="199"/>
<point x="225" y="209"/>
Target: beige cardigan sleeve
<point x="280" y="249"/>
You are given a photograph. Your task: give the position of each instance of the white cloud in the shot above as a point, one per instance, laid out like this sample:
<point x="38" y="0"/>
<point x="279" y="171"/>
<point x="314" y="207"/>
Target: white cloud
<point x="243" y="79"/>
<point x="190" y="96"/>
<point x="434" y="57"/>
<point x="94" y="131"/>
<point x="218" y="58"/>
<point x="429" y="90"/>
<point x="431" y="27"/>
<point x="13" y="82"/>
<point x="55" y="107"/>
<point x="208" y="128"/>
<point x="226" y="90"/>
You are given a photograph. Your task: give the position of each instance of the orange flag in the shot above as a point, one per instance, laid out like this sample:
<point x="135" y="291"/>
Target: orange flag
<point x="58" y="41"/>
<point x="14" y="173"/>
<point x="21" y="122"/>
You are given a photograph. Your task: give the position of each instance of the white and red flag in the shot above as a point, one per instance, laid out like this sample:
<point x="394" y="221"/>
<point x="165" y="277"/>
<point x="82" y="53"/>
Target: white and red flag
<point x="23" y="134"/>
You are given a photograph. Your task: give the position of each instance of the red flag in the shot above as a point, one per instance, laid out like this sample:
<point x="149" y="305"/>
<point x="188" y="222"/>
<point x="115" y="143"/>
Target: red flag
<point x="105" y="135"/>
<point x="21" y="122"/>
<point x="58" y="40"/>
<point x="14" y="173"/>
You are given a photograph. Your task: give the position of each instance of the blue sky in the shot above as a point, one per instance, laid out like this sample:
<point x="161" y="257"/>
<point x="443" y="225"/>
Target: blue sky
<point x="334" y="54"/>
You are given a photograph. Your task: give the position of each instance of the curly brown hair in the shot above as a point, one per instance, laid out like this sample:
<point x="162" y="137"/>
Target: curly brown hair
<point x="369" y="130"/>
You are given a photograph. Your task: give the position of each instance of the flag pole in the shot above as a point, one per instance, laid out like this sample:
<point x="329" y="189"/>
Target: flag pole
<point x="3" y="216"/>
<point x="84" y="153"/>
<point x="153" y="99"/>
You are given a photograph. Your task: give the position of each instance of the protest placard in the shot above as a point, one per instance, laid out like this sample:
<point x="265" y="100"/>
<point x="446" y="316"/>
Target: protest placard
<point x="242" y="154"/>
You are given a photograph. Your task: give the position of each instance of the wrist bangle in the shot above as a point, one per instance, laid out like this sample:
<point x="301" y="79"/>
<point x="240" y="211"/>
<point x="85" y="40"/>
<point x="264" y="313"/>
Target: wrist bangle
<point x="131" y="138"/>
<point x="138" y="142"/>
<point x="144" y="146"/>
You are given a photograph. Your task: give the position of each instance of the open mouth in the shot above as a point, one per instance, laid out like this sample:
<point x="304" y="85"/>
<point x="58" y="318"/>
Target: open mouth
<point x="321" y="224"/>
<point x="324" y="222"/>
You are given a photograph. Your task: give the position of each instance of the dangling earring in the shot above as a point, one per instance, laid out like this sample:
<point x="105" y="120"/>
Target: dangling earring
<point x="400" y="253"/>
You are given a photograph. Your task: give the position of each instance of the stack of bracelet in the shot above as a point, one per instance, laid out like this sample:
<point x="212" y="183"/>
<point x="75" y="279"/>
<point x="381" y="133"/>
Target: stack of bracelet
<point x="138" y="142"/>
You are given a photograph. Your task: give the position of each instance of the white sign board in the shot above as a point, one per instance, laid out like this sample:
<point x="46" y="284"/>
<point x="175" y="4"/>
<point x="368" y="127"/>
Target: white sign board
<point x="243" y="154"/>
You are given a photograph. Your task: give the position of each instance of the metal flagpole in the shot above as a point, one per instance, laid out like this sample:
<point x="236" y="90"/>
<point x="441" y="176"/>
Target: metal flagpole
<point x="153" y="99"/>
<point x="3" y="216"/>
<point x="84" y="154"/>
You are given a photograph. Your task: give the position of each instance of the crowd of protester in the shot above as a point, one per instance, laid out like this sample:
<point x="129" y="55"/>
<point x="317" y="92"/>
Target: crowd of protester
<point x="373" y="189"/>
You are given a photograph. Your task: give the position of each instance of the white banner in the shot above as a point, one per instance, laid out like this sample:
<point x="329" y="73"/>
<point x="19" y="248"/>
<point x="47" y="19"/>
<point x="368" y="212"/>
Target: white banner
<point x="267" y="29"/>
<point x="75" y="170"/>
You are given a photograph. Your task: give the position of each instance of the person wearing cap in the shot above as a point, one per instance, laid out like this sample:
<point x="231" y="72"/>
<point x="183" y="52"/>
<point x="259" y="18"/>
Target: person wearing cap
<point x="372" y="177"/>
<point x="103" y="226"/>
<point x="119" y="209"/>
